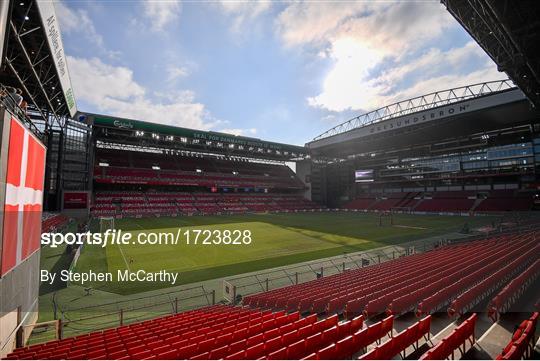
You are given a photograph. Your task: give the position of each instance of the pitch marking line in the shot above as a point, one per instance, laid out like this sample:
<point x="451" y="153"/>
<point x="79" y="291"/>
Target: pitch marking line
<point x="124" y="257"/>
<point x="411" y="227"/>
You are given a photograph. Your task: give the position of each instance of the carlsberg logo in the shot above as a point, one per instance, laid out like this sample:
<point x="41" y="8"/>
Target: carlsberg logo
<point x="124" y="125"/>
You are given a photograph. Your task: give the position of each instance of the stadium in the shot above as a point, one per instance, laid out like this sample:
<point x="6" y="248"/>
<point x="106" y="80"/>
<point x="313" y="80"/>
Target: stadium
<point x="406" y="232"/>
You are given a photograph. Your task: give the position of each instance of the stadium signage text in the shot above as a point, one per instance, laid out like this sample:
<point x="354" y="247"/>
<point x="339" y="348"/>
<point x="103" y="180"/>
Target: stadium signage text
<point x="418" y="118"/>
<point x="123" y="125"/>
<point x="446" y="111"/>
<point x="54" y="39"/>
<point x="194" y="134"/>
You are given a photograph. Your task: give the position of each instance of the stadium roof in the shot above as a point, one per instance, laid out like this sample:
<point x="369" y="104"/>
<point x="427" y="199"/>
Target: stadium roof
<point x="459" y="113"/>
<point x="177" y="137"/>
<point x="417" y="104"/>
<point x="509" y="32"/>
<point x="33" y="59"/>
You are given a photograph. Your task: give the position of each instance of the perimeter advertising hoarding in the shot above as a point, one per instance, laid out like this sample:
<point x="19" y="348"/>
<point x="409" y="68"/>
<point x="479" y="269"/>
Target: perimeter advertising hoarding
<point x="23" y="171"/>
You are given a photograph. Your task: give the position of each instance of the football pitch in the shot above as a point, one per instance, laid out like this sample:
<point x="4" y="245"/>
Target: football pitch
<point x="276" y="240"/>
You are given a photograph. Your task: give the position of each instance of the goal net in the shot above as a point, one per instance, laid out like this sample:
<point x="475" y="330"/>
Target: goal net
<point x="106" y="223"/>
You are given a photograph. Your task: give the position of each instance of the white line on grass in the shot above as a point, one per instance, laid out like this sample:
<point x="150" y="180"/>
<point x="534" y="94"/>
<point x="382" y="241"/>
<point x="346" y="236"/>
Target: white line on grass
<point x="124" y="257"/>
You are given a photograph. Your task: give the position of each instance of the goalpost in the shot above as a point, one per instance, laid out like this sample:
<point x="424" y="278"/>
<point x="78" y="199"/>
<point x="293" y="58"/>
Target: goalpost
<point x="106" y="223"/>
<point x="386" y="215"/>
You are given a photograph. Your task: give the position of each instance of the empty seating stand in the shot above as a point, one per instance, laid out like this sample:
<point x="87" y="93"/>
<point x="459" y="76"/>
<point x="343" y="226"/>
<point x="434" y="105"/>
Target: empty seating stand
<point x="493" y="282"/>
<point x="455" y="341"/>
<point x="521" y="345"/>
<point x="398" y="344"/>
<point x="421" y="283"/>
<point x="140" y="204"/>
<point x="512" y="291"/>
<point x="445" y="201"/>
<point x="217" y="332"/>
<point x="52" y="221"/>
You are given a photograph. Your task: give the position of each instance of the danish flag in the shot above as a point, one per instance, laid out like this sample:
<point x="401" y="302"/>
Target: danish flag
<point x="23" y="196"/>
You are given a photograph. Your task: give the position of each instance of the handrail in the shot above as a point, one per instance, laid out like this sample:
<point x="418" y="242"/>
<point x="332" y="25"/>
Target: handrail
<point x="416" y="104"/>
<point x="10" y="104"/>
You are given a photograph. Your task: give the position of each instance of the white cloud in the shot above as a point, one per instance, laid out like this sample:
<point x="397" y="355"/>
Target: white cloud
<point x="244" y="12"/>
<point x="161" y="13"/>
<point x="346" y="88"/>
<point x="174" y="72"/>
<point x="236" y="131"/>
<point x="378" y="48"/>
<point x="112" y="90"/>
<point x="79" y="22"/>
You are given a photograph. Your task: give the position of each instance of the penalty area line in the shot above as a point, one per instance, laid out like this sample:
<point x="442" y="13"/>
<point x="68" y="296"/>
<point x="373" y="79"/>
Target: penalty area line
<point x="124" y="257"/>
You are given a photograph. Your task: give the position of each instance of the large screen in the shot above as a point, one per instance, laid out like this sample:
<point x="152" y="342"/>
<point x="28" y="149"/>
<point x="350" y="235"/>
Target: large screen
<point x="23" y="196"/>
<point x="363" y="175"/>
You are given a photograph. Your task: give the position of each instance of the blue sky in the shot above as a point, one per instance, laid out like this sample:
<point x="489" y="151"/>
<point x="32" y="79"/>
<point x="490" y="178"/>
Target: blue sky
<point x="280" y="71"/>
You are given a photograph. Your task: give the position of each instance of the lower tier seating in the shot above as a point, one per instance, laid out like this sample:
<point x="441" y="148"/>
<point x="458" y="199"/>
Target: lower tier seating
<point x="423" y="283"/>
<point x="446" y="201"/>
<point x="219" y="332"/>
<point x="502" y="302"/>
<point x="521" y="345"/>
<point x="398" y="344"/>
<point x="135" y="204"/>
<point x="52" y="221"/>
<point x="455" y="341"/>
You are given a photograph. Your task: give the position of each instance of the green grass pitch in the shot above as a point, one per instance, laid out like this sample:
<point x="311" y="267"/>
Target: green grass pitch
<point x="278" y="240"/>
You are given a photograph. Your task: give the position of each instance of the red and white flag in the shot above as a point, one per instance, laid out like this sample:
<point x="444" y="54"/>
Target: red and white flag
<point x="24" y="196"/>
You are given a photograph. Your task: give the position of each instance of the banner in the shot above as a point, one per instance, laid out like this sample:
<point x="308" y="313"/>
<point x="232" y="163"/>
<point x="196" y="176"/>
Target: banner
<point x="25" y="174"/>
<point x="54" y="38"/>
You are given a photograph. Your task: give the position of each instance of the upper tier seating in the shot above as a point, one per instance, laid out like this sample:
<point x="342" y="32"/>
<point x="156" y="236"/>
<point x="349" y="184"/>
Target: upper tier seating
<point x="133" y="204"/>
<point x="428" y="280"/>
<point x="162" y="169"/>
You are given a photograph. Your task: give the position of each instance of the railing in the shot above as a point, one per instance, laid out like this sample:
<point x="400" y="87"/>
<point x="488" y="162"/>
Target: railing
<point x="10" y="104"/>
<point x="424" y="102"/>
<point x="237" y="287"/>
<point x="75" y="321"/>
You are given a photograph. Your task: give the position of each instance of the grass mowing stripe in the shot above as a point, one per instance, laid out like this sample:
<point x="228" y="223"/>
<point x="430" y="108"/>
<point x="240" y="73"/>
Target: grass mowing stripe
<point x="278" y="240"/>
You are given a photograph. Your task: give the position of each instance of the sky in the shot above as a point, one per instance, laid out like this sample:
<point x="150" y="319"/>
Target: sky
<point x="278" y="71"/>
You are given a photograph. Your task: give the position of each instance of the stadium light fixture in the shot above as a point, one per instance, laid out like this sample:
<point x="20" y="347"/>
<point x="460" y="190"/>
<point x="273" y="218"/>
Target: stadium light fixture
<point x="103" y="164"/>
<point x="198" y="170"/>
<point x="139" y="133"/>
<point x="170" y="138"/>
<point x="156" y="167"/>
<point x="235" y="172"/>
